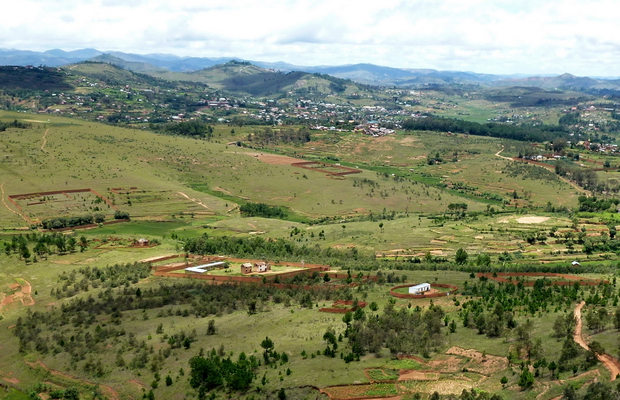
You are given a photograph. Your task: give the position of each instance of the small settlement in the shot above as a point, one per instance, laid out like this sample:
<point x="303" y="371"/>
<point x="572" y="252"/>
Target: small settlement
<point x="260" y="267"/>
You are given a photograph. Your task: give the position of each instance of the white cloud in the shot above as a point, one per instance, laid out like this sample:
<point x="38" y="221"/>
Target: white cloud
<point x="499" y="36"/>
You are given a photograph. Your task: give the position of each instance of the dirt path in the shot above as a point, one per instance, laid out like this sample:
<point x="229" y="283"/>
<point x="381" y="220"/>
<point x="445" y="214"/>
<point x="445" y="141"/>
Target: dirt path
<point x="500" y="156"/>
<point x="194" y="200"/>
<point x="610" y="362"/>
<point x="43" y="149"/>
<point x="45" y="141"/>
<point x="7" y="206"/>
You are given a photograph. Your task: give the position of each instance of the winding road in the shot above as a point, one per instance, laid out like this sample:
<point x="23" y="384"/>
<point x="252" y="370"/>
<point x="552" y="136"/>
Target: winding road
<point x="611" y="363"/>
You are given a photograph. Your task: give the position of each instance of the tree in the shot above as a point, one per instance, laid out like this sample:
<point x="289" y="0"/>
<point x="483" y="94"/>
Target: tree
<point x="570" y="350"/>
<point x="267" y="344"/>
<point x="526" y="380"/>
<point x="71" y="242"/>
<point x="552" y="367"/>
<point x="483" y="260"/>
<point x="206" y="375"/>
<point x="24" y="252"/>
<point x="461" y="256"/>
<point x="71" y="393"/>
<point x="347" y="318"/>
<point x="596" y="348"/>
<point x="569" y="393"/>
<point x="211" y="329"/>
<point x="503" y="381"/>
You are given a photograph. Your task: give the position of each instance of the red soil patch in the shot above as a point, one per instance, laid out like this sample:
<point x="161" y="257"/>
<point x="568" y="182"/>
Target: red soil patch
<point x="7" y="300"/>
<point x="451" y="364"/>
<point x="413" y="375"/>
<point x="342" y="309"/>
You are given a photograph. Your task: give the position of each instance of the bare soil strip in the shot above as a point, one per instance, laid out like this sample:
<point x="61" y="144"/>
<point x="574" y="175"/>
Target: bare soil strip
<point x="44" y="141"/>
<point x="610" y="362"/>
<point x="194" y="200"/>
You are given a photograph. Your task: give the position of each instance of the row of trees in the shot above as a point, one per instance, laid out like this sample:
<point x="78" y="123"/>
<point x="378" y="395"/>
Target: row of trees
<point x="67" y="222"/>
<point x="63" y="222"/>
<point x="516" y="132"/>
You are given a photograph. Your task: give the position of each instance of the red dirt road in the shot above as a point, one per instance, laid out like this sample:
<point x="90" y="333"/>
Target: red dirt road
<point x="610" y="362"/>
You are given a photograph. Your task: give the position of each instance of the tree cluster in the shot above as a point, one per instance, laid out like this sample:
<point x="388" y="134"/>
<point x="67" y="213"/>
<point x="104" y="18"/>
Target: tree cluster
<point x="195" y="129"/>
<point x="594" y="204"/>
<point x="585" y="178"/>
<point x="213" y="372"/>
<point x="14" y="124"/>
<point x="402" y="330"/>
<point x="262" y="210"/>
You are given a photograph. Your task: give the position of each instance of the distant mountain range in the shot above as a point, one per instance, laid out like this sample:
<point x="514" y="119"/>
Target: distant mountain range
<point x="160" y="64"/>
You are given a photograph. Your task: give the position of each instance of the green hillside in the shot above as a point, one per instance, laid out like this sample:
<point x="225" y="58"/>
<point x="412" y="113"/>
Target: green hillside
<point x="33" y="78"/>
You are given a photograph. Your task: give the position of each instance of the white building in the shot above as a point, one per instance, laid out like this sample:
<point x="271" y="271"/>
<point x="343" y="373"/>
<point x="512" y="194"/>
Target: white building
<point x="201" y="269"/>
<point x="420" y="289"/>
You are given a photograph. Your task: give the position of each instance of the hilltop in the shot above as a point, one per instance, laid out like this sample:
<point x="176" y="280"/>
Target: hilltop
<point x="363" y="73"/>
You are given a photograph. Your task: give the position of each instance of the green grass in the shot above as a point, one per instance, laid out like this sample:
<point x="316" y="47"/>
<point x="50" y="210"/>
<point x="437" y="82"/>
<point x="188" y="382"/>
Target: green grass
<point x="137" y="228"/>
<point x="13" y="394"/>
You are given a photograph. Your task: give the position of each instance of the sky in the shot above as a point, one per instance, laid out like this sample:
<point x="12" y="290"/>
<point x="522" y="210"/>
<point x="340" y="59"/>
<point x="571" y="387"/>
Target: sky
<point x="486" y="36"/>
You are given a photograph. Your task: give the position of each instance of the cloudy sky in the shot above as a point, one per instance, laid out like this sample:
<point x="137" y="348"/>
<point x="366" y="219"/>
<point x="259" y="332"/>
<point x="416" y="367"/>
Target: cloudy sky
<point x="491" y="36"/>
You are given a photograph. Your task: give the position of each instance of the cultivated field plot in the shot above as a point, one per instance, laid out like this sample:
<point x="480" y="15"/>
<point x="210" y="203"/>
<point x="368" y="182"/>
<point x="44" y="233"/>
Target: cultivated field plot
<point x="39" y="206"/>
<point x="150" y="202"/>
<point x="331" y="169"/>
